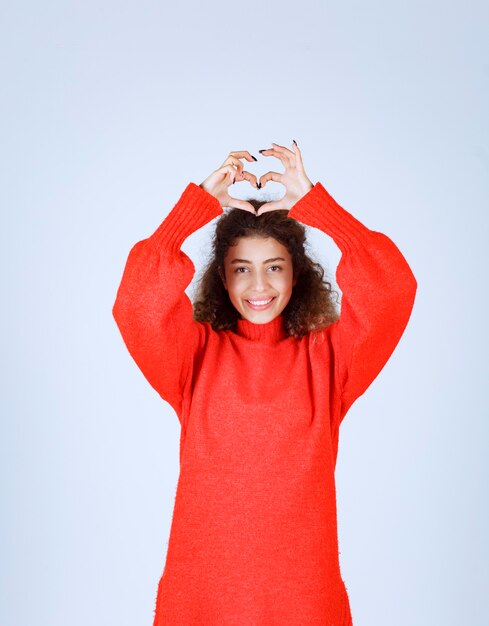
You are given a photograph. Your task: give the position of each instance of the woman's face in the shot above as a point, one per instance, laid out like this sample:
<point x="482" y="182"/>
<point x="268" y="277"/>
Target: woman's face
<point x="258" y="277"/>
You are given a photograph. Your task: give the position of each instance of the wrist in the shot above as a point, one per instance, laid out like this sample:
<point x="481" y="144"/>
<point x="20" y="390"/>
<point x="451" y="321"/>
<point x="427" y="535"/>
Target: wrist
<point x="306" y="189"/>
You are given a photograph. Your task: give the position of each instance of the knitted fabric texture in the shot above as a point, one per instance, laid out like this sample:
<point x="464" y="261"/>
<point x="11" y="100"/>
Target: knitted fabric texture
<point x="253" y="539"/>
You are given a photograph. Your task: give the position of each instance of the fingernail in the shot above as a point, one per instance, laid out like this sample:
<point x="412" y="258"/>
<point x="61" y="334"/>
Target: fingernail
<point x="254" y="158"/>
<point x="259" y="185"/>
<point x="294" y="141"/>
<point x="264" y="150"/>
<point x="234" y="180"/>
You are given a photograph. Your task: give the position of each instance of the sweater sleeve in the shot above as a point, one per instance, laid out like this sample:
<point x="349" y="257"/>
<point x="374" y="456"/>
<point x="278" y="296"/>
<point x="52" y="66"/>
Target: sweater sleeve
<point x="152" y="310"/>
<point x="378" y="292"/>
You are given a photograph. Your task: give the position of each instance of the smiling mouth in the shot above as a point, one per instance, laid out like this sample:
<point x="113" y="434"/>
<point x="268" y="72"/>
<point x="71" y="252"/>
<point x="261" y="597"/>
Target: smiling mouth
<point x="260" y="304"/>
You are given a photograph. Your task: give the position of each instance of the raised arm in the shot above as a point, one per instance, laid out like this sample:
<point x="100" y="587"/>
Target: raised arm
<point x="152" y="310"/>
<point x="378" y="292"/>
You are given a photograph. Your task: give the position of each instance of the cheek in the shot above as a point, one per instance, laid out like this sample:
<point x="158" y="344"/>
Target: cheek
<point x="235" y="286"/>
<point x="232" y="281"/>
<point x="286" y="282"/>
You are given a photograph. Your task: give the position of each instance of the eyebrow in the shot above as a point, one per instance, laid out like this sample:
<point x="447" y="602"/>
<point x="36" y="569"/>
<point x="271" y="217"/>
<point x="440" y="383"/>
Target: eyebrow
<point x="277" y="258"/>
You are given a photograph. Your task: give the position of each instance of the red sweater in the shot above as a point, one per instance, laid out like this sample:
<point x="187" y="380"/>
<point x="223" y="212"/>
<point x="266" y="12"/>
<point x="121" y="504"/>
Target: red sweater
<point x="253" y="539"/>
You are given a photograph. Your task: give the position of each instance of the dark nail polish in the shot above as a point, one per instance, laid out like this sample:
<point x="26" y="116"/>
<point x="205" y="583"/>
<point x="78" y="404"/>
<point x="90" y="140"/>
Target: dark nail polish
<point x="254" y="158"/>
<point x="294" y="141"/>
<point x="258" y="185"/>
<point x="264" y="149"/>
<point x="234" y="180"/>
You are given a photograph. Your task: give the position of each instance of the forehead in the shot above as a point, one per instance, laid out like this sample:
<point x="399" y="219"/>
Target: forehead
<point x="256" y="248"/>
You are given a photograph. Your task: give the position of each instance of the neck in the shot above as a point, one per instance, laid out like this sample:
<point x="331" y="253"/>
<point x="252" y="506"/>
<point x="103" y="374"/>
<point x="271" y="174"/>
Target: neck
<point x="270" y="332"/>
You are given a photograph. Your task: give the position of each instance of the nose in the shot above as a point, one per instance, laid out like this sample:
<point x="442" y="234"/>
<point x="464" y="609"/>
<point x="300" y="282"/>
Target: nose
<point x="260" y="282"/>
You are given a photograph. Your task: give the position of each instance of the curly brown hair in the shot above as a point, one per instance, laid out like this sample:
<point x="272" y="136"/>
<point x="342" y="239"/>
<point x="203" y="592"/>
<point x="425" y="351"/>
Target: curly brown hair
<point x="312" y="305"/>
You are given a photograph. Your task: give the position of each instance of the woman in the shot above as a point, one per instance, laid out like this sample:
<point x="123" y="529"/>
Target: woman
<point x="261" y="372"/>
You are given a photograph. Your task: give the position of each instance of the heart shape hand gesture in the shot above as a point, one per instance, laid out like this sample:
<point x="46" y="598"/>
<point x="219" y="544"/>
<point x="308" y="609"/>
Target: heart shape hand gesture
<point x="294" y="179"/>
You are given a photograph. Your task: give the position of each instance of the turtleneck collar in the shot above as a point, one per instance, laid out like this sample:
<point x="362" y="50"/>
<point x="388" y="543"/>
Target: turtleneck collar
<point x="270" y="332"/>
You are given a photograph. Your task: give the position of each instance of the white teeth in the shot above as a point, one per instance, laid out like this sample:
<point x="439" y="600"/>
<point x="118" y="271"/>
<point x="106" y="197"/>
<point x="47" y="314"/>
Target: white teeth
<point x="260" y="302"/>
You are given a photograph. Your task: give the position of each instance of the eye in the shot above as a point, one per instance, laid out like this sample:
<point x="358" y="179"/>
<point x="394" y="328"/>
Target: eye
<point x="245" y="269"/>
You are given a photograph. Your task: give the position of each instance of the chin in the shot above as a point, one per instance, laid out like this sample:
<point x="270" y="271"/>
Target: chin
<point x="260" y="317"/>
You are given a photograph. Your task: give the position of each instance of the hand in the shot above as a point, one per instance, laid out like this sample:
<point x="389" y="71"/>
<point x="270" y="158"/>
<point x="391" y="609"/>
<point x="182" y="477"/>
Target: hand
<point x="231" y="171"/>
<point x="294" y="178"/>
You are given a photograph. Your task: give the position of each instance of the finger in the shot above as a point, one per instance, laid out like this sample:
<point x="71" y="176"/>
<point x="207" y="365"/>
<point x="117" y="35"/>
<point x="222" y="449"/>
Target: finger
<point x="234" y="203"/>
<point x="298" y="155"/>
<point x="280" y="148"/>
<point x="235" y="162"/>
<point x="228" y="170"/>
<point x="243" y="154"/>
<point x="275" y="176"/>
<point x="269" y="206"/>
<point x="239" y="154"/>
<point x="251" y="178"/>
<point x="287" y="154"/>
<point x="239" y="166"/>
<point x="278" y="155"/>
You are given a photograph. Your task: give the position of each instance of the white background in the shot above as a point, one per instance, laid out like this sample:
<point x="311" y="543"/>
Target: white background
<point x="108" y="110"/>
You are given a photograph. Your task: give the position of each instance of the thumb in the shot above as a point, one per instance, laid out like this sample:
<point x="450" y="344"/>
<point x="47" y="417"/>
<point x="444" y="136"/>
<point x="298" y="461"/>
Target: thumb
<point x="241" y="204"/>
<point x="269" y="206"/>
